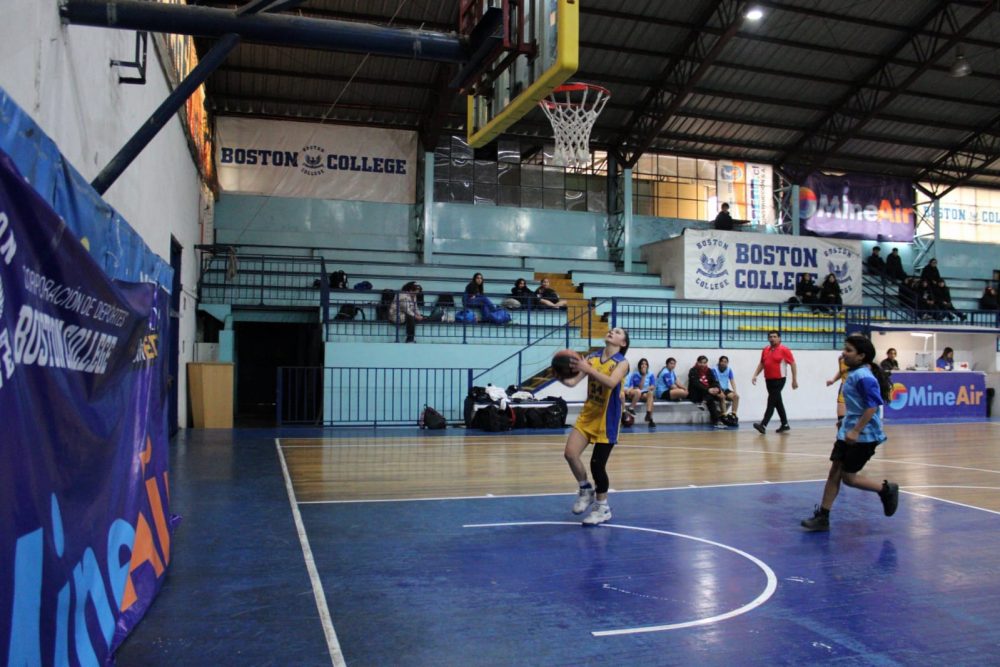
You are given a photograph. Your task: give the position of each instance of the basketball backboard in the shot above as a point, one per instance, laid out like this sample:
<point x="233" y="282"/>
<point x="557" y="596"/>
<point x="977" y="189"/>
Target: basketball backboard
<point x="541" y="50"/>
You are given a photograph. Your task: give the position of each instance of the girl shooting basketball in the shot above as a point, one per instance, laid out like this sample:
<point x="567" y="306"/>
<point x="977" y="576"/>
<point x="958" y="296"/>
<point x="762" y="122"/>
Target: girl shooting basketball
<point x="865" y="390"/>
<point x="598" y="422"/>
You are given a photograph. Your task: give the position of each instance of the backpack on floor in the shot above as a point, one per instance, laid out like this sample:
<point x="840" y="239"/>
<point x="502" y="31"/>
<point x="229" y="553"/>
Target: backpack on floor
<point x="432" y="419"/>
<point x="497" y="316"/>
<point x="338" y="280"/>
<point x="492" y="418"/>
<point x="348" y="312"/>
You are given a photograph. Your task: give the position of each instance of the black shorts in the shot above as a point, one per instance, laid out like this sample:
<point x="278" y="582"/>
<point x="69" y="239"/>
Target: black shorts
<point x="728" y="393"/>
<point x="852" y="457"/>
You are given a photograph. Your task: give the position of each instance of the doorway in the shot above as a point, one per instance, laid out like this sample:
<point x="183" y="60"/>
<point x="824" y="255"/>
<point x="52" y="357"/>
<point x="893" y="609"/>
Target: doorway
<point x="261" y="348"/>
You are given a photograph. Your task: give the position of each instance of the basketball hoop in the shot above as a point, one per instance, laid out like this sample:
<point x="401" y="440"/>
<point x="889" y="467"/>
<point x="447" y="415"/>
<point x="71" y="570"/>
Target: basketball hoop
<point x="572" y="109"/>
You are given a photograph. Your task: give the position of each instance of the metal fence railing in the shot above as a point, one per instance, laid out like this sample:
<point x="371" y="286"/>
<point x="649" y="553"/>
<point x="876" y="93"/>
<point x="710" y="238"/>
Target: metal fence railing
<point x="338" y="396"/>
<point x="259" y="280"/>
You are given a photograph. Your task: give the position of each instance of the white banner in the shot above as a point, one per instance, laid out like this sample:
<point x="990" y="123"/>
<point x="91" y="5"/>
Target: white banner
<point x="739" y="266"/>
<point x="316" y="161"/>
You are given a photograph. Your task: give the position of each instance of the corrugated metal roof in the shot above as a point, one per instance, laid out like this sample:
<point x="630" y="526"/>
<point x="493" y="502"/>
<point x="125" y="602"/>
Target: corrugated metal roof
<point x="808" y="65"/>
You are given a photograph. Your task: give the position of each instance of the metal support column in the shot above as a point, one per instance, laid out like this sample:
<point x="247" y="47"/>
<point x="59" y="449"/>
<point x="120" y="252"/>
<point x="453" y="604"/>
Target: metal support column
<point x="796" y="222"/>
<point x="427" y="221"/>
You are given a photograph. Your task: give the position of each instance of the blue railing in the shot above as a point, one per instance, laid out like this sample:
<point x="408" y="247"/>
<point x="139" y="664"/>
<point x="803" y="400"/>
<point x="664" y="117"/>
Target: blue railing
<point x="340" y="396"/>
<point x="527" y="326"/>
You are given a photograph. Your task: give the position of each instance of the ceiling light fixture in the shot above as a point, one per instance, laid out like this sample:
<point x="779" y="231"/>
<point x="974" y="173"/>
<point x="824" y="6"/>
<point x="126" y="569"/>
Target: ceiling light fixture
<point x="754" y="14"/>
<point x="961" y="67"/>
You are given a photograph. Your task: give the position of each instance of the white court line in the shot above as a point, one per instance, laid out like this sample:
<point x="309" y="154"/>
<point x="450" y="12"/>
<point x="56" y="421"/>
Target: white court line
<point x="333" y="646"/>
<point x="769" y="589"/>
<point x="950" y="502"/>
<point x="686" y="487"/>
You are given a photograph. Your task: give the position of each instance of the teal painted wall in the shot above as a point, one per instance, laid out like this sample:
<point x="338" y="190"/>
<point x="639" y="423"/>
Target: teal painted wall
<point x="326" y="223"/>
<point x="961" y="259"/>
<point x="358" y="398"/>
<point x="458" y="228"/>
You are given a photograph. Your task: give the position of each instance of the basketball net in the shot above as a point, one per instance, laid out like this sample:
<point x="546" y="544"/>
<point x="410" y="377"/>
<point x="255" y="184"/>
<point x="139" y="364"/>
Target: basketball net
<point x="572" y="109"/>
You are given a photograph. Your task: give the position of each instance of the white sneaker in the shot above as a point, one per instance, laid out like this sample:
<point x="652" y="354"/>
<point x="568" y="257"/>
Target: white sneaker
<point x="599" y="514"/>
<point x="584" y="500"/>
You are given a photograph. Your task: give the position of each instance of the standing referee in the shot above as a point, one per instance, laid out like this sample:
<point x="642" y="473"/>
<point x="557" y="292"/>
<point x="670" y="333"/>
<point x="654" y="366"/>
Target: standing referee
<point x="773" y="360"/>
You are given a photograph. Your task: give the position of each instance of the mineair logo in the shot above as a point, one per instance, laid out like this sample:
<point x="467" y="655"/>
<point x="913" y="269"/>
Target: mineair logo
<point x="897" y="396"/>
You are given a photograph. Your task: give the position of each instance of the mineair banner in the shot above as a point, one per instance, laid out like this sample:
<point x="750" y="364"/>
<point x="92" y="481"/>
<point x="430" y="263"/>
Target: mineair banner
<point x="857" y="206"/>
<point x="937" y="395"/>
<point x="84" y="522"/>
<point x="316" y="161"/>
<point x="740" y="266"/>
<point x="748" y="189"/>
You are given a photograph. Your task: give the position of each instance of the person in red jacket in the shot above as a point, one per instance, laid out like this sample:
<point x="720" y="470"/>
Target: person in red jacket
<point x="773" y="360"/>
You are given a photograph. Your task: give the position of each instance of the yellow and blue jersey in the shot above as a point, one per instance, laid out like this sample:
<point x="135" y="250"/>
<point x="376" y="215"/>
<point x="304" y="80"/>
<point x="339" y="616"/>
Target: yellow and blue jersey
<point x="601" y="415"/>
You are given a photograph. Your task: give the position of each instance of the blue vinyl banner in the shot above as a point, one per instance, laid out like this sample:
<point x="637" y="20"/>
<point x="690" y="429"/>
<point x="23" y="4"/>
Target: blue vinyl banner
<point x="84" y="521"/>
<point x="857" y="206"/>
<point x="113" y="244"/>
<point x="917" y="395"/>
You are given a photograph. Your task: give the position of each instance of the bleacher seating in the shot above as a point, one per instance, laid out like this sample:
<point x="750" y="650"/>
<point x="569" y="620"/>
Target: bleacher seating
<point x="283" y="277"/>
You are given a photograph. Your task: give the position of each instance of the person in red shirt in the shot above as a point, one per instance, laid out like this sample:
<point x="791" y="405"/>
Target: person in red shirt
<point x="773" y="360"/>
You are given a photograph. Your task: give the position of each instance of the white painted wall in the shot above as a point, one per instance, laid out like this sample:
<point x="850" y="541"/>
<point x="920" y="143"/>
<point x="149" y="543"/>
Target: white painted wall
<point x="61" y="76"/>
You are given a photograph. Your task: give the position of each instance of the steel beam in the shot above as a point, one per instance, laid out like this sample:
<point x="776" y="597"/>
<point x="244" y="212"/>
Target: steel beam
<point x="861" y="104"/>
<point x="283" y="30"/>
<point x="679" y="77"/>
<point x="175" y="100"/>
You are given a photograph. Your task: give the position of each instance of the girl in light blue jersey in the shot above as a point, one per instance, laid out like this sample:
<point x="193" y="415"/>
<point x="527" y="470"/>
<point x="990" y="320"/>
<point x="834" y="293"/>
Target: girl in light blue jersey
<point x="641" y="384"/>
<point x="667" y="386"/>
<point x="865" y="390"/>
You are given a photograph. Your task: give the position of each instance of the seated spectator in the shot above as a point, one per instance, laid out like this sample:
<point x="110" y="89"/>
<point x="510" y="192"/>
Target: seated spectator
<point x="988" y="301"/>
<point x="641" y="384"/>
<point x="521" y="293"/>
<point x="890" y="364"/>
<point x="727" y="383"/>
<point x="705" y="388"/>
<point x="806" y="292"/>
<point x="927" y="304"/>
<point x="724" y="221"/>
<point x="830" y="295"/>
<point x="404" y="310"/>
<point x="474" y="298"/>
<point x="548" y="297"/>
<point x="667" y="386"/>
<point x="943" y="297"/>
<point x="875" y="263"/>
<point x="930" y="272"/>
<point x="946" y="362"/>
<point x="894" y="266"/>
<point x="909" y="291"/>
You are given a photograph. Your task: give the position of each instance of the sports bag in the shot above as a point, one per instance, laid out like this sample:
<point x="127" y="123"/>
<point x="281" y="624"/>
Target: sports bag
<point x="432" y="419"/>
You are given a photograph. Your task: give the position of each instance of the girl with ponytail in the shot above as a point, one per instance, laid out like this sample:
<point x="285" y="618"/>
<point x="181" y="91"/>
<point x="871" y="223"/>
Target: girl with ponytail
<point x="866" y="389"/>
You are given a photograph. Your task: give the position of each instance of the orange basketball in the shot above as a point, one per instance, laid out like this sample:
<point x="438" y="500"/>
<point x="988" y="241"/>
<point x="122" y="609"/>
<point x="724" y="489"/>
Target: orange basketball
<point x="561" y="364"/>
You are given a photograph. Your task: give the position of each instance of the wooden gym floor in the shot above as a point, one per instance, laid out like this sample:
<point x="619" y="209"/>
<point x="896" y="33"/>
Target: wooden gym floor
<point x="408" y="548"/>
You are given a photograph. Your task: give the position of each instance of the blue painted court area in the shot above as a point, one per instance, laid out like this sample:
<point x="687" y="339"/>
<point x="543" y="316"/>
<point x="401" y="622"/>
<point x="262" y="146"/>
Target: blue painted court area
<point x="501" y="581"/>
